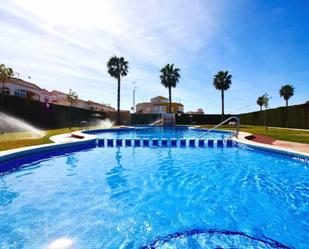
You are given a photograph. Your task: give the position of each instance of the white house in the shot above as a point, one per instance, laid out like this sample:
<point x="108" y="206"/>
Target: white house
<point x="59" y="98"/>
<point x="159" y="105"/>
<point x="24" y="89"/>
<point x="107" y="108"/>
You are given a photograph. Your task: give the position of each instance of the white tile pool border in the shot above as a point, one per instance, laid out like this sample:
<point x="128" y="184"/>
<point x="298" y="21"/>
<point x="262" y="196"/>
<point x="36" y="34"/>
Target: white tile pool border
<point x="66" y="140"/>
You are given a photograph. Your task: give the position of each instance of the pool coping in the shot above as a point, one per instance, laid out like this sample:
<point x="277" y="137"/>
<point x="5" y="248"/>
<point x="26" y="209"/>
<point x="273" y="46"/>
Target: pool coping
<point x="83" y="137"/>
<point x="273" y="148"/>
<point x="58" y="141"/>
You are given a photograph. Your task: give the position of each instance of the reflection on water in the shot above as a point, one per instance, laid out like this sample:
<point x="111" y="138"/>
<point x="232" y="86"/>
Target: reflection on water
<point x="116" y="177"/>
<point x="6" y="196"/>
<point x="72" y="162"/>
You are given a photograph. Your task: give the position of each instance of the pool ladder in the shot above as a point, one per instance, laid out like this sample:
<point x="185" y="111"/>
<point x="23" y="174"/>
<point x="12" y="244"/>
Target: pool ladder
<point x="235" y="133"/>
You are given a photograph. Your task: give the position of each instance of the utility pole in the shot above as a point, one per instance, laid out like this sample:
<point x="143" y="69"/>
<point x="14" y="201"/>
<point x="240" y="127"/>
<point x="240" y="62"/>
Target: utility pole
<point x="134" y="90"/>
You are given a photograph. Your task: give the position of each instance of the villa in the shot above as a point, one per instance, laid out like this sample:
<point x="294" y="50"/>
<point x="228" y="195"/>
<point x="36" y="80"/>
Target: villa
<point x="158" y="105"/>
<point x="199" y="111"/>
<point x="24" y="89"/>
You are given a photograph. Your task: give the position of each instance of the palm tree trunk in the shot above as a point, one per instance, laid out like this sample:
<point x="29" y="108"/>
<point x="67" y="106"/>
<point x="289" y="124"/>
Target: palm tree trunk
<point x="170" y="99"/>
<point x="260" y="108"/>
<point x="70" y="116"/>
<point x="2" y="96"/>
<point x="222" y="104"/>
<point x="286" y="112"/>
<point x="265" y="118"/>
<point x="118" y="101"/>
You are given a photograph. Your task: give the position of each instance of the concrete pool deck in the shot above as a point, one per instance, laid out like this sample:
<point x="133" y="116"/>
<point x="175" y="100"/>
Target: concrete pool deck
<point x="273" y="144"/>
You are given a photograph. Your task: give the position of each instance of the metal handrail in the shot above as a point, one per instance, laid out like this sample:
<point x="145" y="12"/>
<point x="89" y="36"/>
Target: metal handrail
<point x="223" y="122"/>
<point x="156" y="122"/>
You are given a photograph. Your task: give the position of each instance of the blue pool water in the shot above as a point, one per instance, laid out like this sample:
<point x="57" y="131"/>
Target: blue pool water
<point x="163" y="132"/>
<point x="134" y="197"/>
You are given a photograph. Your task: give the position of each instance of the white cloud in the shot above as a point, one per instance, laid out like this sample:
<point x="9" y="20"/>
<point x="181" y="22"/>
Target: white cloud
<point x="65" y="44"/>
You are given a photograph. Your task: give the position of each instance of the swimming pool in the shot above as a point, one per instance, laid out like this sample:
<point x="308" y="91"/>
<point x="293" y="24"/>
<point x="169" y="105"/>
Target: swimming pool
<point x="160" y="132"/>
<point x="156" y="197"/>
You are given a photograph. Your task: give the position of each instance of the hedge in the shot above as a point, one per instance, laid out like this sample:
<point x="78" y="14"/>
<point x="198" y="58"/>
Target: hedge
<point x="56" y="116"/>
<point x="52" y="116"/>
<point x="181" y="119"/>
<point x="144" y="119"/>
<point x="296" y="116"/>
<point x="200" y="119"/>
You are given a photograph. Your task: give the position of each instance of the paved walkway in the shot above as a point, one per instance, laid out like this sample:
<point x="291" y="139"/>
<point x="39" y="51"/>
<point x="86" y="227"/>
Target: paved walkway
<point x="301" y="147"/>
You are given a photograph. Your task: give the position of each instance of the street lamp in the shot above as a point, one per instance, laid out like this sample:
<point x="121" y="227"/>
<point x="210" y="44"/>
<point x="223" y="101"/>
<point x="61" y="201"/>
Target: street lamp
<point x="134" y="90"/>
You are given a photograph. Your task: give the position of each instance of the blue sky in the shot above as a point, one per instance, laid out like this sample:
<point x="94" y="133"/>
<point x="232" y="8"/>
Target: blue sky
<point x="65" y="44"/>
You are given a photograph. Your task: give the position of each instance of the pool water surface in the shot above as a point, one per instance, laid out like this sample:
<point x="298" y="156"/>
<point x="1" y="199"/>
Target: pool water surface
<point x="135" y="197"/>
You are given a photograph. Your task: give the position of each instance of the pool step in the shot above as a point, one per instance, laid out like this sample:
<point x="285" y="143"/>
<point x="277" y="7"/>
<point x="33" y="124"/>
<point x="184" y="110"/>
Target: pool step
<point x="164" y="142"/>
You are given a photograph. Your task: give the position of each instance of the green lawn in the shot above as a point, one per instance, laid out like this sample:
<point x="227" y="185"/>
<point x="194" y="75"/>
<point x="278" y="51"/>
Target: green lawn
<point x="21" y="139"/>
<point x="281" y="134"/>
<point x="277" y="133"/>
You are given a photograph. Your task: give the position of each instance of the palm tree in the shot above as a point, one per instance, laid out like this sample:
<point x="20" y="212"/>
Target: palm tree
<point x="265" y="99"/>
<point x="72" y="96"/>
<point x="169" y="78"/>
<point x="286" y="91"/>
<point x="118" y="67"/>
<point x="5" y="73"/>
<point x="222" y="81"/>
<point x="260" y="102"/>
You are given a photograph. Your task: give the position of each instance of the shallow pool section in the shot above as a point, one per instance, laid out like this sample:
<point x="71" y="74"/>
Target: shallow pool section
<point x="135" y="197"/>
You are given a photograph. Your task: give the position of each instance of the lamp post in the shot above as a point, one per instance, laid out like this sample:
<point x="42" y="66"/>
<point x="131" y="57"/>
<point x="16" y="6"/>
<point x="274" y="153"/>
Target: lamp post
<point x="134" y="90"/>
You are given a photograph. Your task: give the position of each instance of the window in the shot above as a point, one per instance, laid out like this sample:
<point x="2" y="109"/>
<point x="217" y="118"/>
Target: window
<point x="36" y="97"/>
<point x="5" y="91"/>
<point x="20" y="93"/>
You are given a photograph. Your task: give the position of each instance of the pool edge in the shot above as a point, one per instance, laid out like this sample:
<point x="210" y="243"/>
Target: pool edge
<point x="272" y="148"/>
<point x="83" y="137"/>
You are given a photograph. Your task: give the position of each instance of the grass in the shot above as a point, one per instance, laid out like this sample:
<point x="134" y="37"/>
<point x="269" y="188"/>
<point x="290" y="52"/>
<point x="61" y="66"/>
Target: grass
<point x="21" y="139"/>
<point x="300" y="136"/>
<point x="291" y="135"/>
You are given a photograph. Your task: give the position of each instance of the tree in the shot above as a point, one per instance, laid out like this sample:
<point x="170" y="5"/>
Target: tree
<point x="72" y="96"/>
<point x="5" y="73"/>
<point x="286" y="91"/>
<point x="118" y="67"/>
<point x="265" y="98"/>
<point x="222" y="81"/>
<point x="260" y="102"/>
<point x="169" y="78"/>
